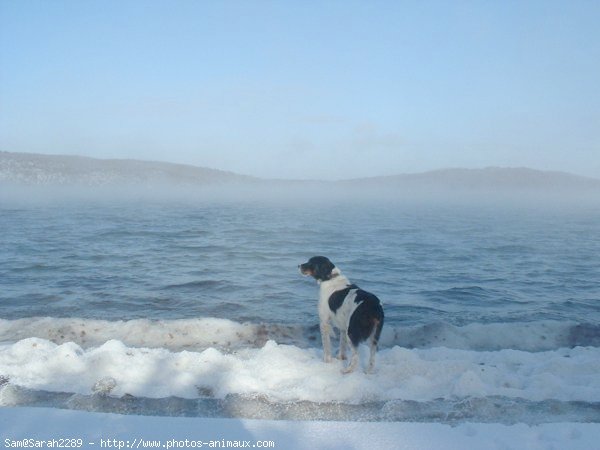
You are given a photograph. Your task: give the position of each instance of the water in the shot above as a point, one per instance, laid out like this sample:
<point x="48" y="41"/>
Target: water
<point x="239" y="261"/>
<point x="158" y="275"/>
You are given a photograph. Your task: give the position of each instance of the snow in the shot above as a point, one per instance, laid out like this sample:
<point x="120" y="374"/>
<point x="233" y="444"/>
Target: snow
<point x="17" y="424"/>
<point x="284" y="373"/>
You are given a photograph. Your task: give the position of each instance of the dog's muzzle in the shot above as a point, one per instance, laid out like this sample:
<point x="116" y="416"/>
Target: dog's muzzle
<point x="304" y="270"/>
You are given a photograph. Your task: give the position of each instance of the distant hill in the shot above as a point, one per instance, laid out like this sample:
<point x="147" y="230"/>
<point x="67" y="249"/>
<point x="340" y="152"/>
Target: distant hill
<point x="60" y="170"/>
<point x="36" y="169"/>
<point x="491" y="178"/>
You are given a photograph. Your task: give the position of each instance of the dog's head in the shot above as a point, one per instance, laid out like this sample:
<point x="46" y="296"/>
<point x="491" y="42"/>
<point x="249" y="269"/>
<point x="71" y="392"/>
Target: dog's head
<point x="318" y="267"/>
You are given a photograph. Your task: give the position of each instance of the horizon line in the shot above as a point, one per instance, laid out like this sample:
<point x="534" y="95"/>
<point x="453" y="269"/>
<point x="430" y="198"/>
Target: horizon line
<point x="314" y="180"/>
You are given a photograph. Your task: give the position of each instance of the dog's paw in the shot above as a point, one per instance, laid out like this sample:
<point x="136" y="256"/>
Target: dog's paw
<point x="347" y="370"/>
<point x="327" y="359"/>
<point x="342" y="357"/>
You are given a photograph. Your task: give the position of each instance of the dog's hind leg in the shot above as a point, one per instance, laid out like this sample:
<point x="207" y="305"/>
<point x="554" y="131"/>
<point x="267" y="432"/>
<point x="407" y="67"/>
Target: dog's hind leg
<point x="343" y="344"/>
<point x="355" y="337"/>
<point x="373" y="344"/>
<point x="373" y="348"/>
<point x="353" y="360"/>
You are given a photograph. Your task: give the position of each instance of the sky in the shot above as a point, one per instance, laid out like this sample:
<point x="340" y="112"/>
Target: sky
<point x="305" y="89"/>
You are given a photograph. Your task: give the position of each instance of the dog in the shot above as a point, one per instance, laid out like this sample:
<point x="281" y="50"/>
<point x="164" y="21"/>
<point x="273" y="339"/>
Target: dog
<point x="356" y="313"/>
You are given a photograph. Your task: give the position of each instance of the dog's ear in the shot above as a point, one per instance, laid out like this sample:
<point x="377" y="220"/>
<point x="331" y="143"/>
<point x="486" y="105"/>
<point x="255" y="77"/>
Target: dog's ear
<point x="323" y="269"/>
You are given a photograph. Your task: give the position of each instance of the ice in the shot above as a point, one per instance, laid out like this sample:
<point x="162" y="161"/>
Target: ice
<point x="206" y="332"/>
<point x="172" y="334"/>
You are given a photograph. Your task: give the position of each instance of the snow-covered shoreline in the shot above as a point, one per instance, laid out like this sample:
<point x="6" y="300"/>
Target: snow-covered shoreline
<point x="284" y="373"/>
<point x="19" y="426"/>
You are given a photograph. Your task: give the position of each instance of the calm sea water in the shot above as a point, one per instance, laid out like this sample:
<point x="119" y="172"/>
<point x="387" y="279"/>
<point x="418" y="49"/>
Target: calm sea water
<point x="165" y="260"/>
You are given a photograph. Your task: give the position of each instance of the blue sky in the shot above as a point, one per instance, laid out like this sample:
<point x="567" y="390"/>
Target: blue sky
<point x="305" y="89"/>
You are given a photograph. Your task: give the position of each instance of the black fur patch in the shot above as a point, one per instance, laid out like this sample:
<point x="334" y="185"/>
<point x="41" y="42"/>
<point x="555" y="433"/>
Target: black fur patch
<point x="337" y="298"/>
<point x="366" y="319"/>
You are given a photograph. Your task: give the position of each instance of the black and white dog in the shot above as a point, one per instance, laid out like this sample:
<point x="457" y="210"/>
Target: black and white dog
<point x="356" y="313"/>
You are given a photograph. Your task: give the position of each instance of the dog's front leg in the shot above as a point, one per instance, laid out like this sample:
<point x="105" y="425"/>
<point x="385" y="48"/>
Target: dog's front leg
<point x="326" y="339"/>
